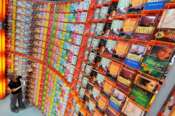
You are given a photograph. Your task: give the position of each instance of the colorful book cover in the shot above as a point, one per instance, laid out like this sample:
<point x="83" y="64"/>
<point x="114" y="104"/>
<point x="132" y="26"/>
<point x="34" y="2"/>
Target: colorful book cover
<point x="99" y="28"/>
<point x="135" y="56"/>
<point x="125" y="79"/>
<point x="103" y="12"/>
<point x="91" y="105"/>
<point x="113" y="8"/>
<point x="130" y="25"/>
<point x="96" y="93"/>
<point x="116" y="27"/>
<point x="167" y="35"/>
<point x="141" y="96"/>
<point x="136" y="6"/>
<point x="100" y="79"/>
<point x="131" y="109"/>
<point x="104" y="64"/>
<point x="167" y="19"/>
<point x="108" y="87"/>
<point x="154" y="5"/>
<point x="91" y="57"/>
<point x="117" y="100"/>
<point x="114" y="69"/>
<point x="110" y="45"/>
<point x="156" y="63"/>
<point x="88" y="69"/>
<point x="95" y="43"/>
<point x="123" y="6"/>
<point x="146" y="27"/>
<point x="102" y="103"/>
<point x="121" y="49"/>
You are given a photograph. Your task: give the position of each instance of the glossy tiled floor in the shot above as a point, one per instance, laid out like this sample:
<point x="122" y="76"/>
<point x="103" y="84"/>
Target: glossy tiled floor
<point x="5" y="110"/>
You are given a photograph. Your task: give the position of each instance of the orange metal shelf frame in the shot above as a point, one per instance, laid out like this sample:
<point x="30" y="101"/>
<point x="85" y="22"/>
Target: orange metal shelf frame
<point x="2" y="50"/>
<point x="42" y="63"/>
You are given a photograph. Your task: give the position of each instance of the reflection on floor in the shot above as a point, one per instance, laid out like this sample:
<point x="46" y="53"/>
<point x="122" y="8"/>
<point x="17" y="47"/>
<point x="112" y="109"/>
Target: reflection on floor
<point x="5" y="110"/>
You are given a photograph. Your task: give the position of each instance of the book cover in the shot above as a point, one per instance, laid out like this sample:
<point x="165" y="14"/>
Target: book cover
<point x="104" y="64"/>
<point x="130" y="109"/>
<point x="167" y="35"/>
<point x="135" y="56"/>
<point x="110" y="45"/>
<point x="121" y="49"/>
<point x="130" y="25"/>
<point x="156" y="63"/>
<point x="167" y="20"/>
<point x="114" y="69"/>
<point x="95" y="43"/>
<point x="141" y="96"/>
<point x="116" y="27"/>
<point x="123" y="6"/>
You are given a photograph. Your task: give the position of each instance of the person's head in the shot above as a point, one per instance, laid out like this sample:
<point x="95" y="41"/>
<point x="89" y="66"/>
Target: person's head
<point x="14" y="78"/>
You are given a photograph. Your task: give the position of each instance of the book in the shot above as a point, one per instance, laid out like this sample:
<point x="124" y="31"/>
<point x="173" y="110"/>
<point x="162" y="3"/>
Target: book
<point x="114" y="69"/>
<point x="125" y="79"/>
<point x="166" y="35"/>
<point x="108" y="87"/>
<point x="116" y="27"/>
<point x="100" y="79"/>
<point x="123" y="6"/>
<point x="121" y="49"/>
<point x="141" y="96"/>
<point x="157" y="61"/>
<point x="135" y="56"/>
<point x="166" y="26"/>
<point x="103" y="12"/>
<point x="130" y="25"/>
<point x="117" y="100"/>
<point x="131" y="109"/>
<point x="146" y="27"/>
<point x="102" y="103"/>
<point x="110" y="45"/>
<point x="95" y="43"/>
<point x="136" y="6"/>
<point x="104" y="64"/>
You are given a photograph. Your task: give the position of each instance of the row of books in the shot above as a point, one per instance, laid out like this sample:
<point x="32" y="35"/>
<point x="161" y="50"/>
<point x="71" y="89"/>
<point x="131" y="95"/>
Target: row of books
<point x="123" y="68"/>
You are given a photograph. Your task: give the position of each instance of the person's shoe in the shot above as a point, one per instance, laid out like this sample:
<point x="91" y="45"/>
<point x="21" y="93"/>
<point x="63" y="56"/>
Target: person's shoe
<point x="15" y="110"/>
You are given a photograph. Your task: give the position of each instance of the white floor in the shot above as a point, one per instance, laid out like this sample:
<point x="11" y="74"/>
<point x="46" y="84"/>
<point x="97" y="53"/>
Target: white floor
<point x="5" y="110"/>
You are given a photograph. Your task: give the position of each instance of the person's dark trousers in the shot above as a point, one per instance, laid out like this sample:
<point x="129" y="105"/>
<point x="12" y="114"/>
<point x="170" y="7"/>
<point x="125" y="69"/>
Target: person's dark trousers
<point x="14" y="99"/>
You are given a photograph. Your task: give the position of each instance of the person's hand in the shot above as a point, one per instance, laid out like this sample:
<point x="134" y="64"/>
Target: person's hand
<point x="16" y="89"/>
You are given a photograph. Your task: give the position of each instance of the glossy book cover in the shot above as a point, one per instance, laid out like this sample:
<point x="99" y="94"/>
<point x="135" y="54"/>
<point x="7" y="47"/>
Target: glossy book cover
<point x="135" y="55"/>
<point x="156" y="63"/>
<point x="167" y="20"/>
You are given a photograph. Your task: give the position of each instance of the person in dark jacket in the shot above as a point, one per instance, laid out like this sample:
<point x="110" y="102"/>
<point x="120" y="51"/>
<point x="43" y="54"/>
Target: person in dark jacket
<point x="16" y="93"/>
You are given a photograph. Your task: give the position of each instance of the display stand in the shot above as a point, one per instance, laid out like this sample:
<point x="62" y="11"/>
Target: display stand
<point x="163" y="93"/>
